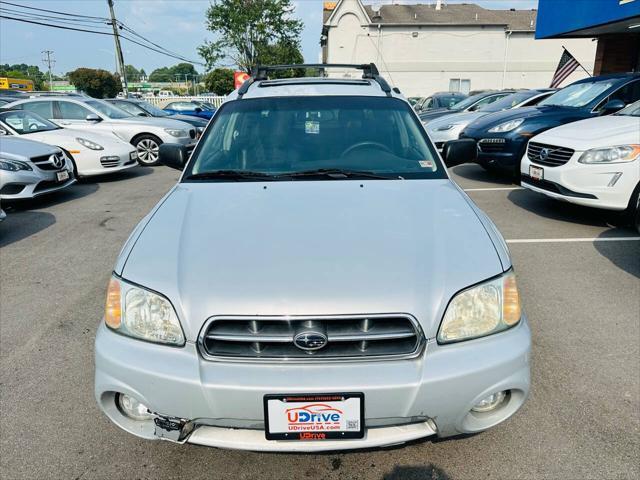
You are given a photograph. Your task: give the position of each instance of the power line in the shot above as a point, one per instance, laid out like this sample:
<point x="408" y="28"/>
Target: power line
<point x="178" y="57"/>
<point x="52" y="11"/>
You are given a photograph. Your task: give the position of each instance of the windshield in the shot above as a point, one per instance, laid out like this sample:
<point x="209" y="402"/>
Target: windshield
<point x="107" y="109"/>
<point x="632" y="110"/>
<point x="279" y="136"/>
<point x="152" y="109"/>
<point x="204" y="105"/>
<point x="24" y="122"/>
<point x="449" y="101"/>
<point x="467" y="102"/>
<point x="578" y="94"/>
<point x="508" y="102"/>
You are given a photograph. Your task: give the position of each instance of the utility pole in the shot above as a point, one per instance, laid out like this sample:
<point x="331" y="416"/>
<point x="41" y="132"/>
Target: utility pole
<point x="47" y="60"/>
<point x="123" y="75"/>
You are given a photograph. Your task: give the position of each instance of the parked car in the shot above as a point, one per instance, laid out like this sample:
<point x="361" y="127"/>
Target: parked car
<point x="414" y="100"/>
<point x="439" y="101"/>
<point x="145" y="134"/>
<point x="593" y="162"/>
<point x="145" y="109"/>
<point x="447" y="128"/>
<point x="469" y="104"/>
<point x="29" y="169"/>
<point x="282" y="295"/>
<point x="91" y="153"/>
<point x="188" y="108"/>
<point x="502" y="136"/>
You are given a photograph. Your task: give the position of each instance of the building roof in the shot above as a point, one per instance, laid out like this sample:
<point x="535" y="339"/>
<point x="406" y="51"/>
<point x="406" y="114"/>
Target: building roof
<point x="449" y="14"/>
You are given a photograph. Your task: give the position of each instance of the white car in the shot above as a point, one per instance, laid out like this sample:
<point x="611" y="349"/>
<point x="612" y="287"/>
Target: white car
<point x="144" y="133"/>
<point x="92" y="153"/>
<point x="593" y="162"/>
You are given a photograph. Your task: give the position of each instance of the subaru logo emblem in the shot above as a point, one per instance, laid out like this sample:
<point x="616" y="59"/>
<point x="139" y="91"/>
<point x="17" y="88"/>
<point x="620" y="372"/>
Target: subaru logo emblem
<point x="544" y="154"/>
<point x="310" y="341"/>
<point x="56" y="161"/>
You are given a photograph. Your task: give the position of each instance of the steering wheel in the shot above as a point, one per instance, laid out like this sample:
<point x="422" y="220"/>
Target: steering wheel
<point x="365" y="144"/>
<point x="33" y="126"/>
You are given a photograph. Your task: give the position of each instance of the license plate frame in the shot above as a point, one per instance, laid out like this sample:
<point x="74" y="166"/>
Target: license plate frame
<point x="62" y="175"/>
<point x="279" y="404"/>
<point x="536" y="173"/>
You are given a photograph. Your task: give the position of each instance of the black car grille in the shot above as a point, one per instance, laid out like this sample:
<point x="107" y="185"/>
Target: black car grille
<point x="491" y="145"/>
<point x="44" y="162"/>
<point x="553" y="156"/>
<point x="352" y="337"/>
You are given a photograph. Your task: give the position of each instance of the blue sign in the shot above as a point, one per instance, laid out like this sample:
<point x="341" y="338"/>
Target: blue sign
<point x="558" y="17"/>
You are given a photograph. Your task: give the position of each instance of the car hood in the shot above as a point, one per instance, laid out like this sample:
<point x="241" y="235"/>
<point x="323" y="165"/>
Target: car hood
<point x="433" y="114"/>
<point x="154" y="121"/>
<point x="191" y="120"/>
<point x="596" y="132"/>
<point x="311" y="248"/>
<point x="538" y="114"/>
<point x="457" y="118"/>
<point x="66" y="138"/>
<point x="18" y="148"/>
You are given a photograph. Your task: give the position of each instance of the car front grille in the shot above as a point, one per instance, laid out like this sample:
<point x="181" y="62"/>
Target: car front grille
<point x="549" y="155"/>
<point x="46" y="162"/>
<point x="110" y="161"/>
<point x="360" y="337"/>
<point x="491" y="145"/>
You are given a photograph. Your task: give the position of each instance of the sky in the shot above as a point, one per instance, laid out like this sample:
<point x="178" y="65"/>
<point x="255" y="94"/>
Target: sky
<point x="177" y="25"/>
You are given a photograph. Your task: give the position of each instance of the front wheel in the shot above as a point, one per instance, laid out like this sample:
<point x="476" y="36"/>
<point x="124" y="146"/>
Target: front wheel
<point x="148" y="147"/>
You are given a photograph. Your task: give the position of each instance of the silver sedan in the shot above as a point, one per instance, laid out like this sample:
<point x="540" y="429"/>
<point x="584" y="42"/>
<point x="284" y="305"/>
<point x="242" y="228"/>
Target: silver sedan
<point x="29" y="169"/>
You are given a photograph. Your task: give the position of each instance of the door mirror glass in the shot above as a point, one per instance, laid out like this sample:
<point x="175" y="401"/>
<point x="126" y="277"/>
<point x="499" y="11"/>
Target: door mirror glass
<point x="173" y="155"/>
<point x="92" y="117"/>
<point x="457" y="152"/>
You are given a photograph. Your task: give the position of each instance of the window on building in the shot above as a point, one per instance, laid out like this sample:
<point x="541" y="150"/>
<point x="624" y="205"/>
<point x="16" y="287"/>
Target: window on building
<point x="462" y="85"/>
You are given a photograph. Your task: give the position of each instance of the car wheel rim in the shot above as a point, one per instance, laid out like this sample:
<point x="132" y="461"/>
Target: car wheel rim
<point x="147" y="151"/>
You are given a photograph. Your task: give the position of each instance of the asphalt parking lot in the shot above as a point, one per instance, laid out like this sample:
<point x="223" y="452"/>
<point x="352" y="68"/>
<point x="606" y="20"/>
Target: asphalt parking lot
<point x="579" y="279"/>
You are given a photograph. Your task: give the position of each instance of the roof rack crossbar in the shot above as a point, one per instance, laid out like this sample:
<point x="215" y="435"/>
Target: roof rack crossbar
<point x="369" y="71"/>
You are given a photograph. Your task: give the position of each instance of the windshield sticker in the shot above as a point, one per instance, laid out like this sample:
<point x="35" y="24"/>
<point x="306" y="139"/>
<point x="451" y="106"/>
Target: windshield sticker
<point x="312" y="127"/>
<point x="426" y="164"/>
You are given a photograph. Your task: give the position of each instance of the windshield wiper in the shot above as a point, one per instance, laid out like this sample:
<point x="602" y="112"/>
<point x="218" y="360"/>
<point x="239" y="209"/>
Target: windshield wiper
<point x="230" y="174"/>
<point x="337" y="173"/>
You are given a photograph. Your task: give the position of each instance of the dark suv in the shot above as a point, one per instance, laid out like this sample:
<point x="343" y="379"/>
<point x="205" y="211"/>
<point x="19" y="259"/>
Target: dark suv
<point x="502" y="136"/>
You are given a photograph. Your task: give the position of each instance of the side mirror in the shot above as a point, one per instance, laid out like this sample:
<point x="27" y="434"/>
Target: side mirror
<point x="173" y="155"/>
<point x="457" y="152"/>
<point x="197" y="109"/>
<point x="142" y="114"/>
<point x="612" y="106"/>
<point x="92" y="117"/>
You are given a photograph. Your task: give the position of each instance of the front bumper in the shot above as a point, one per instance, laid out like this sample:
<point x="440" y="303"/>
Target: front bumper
<point x="102" y="163"/>
<point x="607" y="186"/>
<point x="497" y="151"/>
<point x="25" y="184"/>
<point x="404" y="399"/>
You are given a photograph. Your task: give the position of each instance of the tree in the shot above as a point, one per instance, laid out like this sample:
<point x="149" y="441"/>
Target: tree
<point x="22" y="70"/>
<point x="244" y="28"/>
<point x="282" y="53"/>
<point x="132" y="73"/>
<point x="171" y="74"/>
<point x="161" y="75"/>
<point x="183" y="69"/>
<point x="220" y="81"/>
<point x="96" y="83"/>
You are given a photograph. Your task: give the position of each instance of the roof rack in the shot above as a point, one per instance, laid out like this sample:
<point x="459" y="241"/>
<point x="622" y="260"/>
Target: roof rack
<point x="369" y="71"/>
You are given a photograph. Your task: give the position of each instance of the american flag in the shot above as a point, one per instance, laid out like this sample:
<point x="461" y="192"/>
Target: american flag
<point x="565" y="68"/>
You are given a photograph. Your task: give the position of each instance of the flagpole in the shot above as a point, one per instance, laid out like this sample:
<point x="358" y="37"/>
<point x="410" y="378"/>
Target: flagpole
<point x="586" y="71"/>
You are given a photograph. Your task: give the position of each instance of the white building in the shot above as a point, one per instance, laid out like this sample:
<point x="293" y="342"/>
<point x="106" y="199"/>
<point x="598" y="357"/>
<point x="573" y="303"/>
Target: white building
<point x="438" y="46"/>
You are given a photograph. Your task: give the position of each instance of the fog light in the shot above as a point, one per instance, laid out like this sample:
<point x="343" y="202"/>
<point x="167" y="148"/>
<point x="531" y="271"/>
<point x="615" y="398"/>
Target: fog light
<point x="489" y="402"/>
<point x="132" y="408"/>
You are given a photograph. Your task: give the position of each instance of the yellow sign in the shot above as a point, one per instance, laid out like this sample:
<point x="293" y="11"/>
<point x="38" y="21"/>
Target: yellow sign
<point x="16" y="84"/>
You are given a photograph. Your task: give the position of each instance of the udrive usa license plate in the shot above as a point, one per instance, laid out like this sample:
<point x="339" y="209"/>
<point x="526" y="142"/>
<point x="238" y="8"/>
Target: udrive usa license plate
<point x="536" y="173"/>
<point x="62" y="176"/>
<point x="327" y="416"/>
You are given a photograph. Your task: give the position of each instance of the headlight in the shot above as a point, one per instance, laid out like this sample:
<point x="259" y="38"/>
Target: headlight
<point x="141" y="313"/>
<point x="13" y="165"/>
<point x="487" y="308"/>
<point x="507" y="126"/>
<point x="176" y="133"/>
<point x="89" y="144"/>
<point x="620" y="154"/>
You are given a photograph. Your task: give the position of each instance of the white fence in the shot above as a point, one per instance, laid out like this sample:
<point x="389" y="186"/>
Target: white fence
<point x="162" y="101"/>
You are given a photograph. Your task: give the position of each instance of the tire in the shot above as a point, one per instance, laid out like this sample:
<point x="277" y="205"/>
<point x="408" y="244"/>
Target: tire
<point x="632" y="213"/>
<point x="147" y="147"/>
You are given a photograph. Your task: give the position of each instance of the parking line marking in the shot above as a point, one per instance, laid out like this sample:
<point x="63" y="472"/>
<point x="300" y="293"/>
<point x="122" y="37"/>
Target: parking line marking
<point x="493" y="189"/>
<point x="568" y="240"/>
